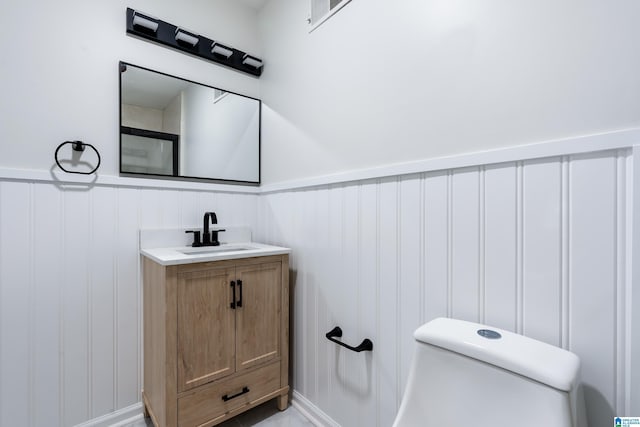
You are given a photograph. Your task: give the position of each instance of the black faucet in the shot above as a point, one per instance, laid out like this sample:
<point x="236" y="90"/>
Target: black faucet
<point x="210" y="238"/>
<point x="206" y="236"/>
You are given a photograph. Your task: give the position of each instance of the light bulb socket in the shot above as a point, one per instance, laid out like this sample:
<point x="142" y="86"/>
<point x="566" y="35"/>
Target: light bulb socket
<point x="144" y="23"/>
<point x="252" y="61"/>
<point x="221" y="50"/>
<point x="186" y="38"/>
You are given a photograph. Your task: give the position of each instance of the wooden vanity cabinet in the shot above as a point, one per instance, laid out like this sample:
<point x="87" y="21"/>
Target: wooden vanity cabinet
<point x="215" y="339"/>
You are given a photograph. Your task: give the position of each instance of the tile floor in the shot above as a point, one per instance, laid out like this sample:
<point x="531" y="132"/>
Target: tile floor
<point x="265" y="415"/>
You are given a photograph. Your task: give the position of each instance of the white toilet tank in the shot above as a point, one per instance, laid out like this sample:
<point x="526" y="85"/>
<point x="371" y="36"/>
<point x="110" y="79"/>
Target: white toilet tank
<point x="464" y="373"/>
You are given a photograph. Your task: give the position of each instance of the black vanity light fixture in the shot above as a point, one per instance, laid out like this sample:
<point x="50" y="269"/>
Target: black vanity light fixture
<point x="159" y="31"/>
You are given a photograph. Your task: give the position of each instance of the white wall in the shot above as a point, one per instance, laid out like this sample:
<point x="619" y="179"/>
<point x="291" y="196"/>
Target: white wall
<point x="142" y="117"/>
<point x="383" y="82"/>
<point x="61" y="69"/>
<point x="172" y="116"/>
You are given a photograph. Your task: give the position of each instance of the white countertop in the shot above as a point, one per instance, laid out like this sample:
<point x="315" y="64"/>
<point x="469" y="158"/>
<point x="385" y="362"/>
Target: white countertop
<point x="189" y="255"/>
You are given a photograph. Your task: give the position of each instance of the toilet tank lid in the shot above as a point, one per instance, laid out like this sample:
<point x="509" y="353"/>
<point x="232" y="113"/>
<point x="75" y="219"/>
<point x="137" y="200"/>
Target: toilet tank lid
<point x="525" y="356"/>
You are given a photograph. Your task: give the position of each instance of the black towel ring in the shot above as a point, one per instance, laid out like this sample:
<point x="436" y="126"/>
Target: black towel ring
<point x="77" y="146"/>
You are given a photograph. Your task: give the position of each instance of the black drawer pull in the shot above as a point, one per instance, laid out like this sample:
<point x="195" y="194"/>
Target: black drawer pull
<point x="226" y="398"/>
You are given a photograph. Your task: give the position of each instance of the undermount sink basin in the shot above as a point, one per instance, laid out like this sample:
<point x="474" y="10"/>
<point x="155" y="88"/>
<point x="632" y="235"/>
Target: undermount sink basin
<point x="216" y="249"/>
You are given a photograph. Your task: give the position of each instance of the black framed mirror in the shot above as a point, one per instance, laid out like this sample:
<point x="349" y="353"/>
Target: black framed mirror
<point x="176" y="128"/>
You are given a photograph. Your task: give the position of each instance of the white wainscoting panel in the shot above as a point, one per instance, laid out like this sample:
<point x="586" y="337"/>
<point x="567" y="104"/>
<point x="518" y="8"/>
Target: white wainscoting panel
<point x="501" y="246"/>
<point x="465" y="245"/>
<point x="436" y="245"/>
<point x="16" y="311"/>
<point x="593" y="307"/>
<point x="47" y="302"/>
<point x="70" y="328"/>
<point x="533" y="246"/>
<point x="386" y="342"/>
<point x="541" y="247"/>
<point x="541" y="250"/>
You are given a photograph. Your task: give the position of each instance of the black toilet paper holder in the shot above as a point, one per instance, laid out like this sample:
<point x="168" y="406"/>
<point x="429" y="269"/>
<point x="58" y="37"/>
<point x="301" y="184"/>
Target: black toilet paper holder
<point x="365" y="345"/>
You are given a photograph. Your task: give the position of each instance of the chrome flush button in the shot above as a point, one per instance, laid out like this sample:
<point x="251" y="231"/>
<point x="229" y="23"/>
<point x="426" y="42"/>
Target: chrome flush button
<point x="488" y="333"/>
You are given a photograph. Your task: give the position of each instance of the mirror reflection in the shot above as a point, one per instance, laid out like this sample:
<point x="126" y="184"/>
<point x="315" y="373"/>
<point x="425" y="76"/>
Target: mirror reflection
<point x="173" y="127"/>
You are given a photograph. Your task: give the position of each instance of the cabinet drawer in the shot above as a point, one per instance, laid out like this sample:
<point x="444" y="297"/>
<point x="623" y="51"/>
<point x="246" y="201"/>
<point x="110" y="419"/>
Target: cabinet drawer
<point x="208" y="402"/>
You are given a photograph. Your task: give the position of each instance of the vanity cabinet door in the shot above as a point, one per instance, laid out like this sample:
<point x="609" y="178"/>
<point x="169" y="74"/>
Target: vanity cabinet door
<point x="258" y="318"/>
<point x="205" y="327"/>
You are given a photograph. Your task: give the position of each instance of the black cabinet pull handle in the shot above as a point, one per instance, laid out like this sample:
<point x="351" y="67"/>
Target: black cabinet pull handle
<point x="239" y="304"/>
<point x="227" y="397"/>
<point x="365" y="345"/>
<point x="233" y="298"/>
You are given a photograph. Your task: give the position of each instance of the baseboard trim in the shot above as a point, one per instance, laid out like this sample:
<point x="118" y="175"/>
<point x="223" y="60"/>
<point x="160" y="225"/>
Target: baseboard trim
<point x="310" y="411"/>
<point x="119" y="418"/>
